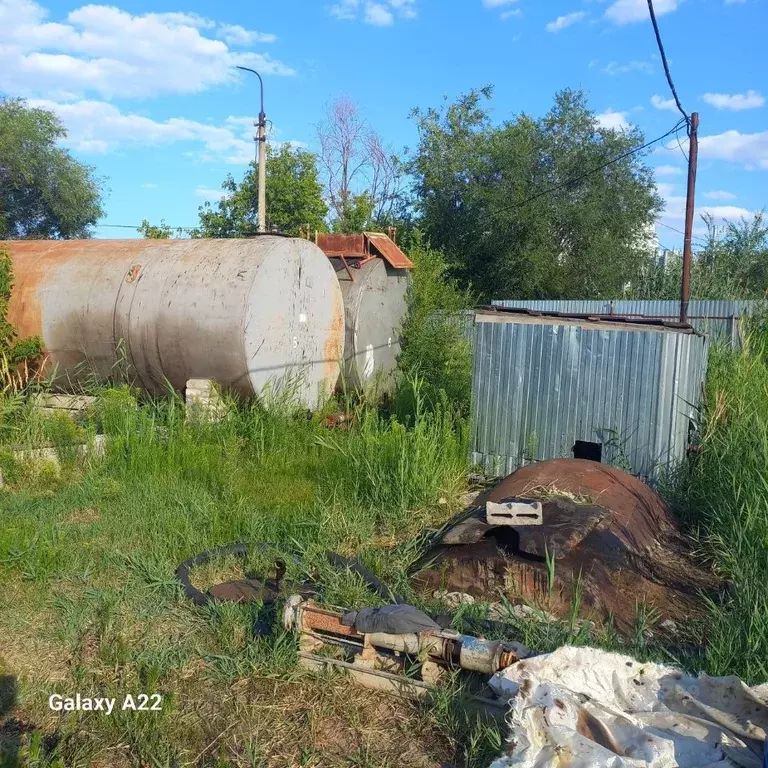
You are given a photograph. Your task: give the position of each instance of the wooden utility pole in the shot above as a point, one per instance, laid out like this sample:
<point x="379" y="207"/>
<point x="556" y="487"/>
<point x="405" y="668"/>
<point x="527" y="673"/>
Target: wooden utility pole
<point x="693" y="154"/>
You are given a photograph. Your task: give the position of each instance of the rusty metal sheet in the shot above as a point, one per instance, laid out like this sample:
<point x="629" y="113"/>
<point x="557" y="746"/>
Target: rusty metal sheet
<point x="342" y="245"/>
<point x="388" y="250"/>
<point x="639" y="517"/>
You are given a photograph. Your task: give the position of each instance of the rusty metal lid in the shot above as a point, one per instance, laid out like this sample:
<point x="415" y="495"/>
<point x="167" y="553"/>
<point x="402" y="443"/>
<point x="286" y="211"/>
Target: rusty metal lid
<point x="363" y="245"/>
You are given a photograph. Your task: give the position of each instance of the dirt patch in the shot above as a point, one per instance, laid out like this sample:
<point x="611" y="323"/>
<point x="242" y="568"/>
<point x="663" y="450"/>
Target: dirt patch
<point x="86" y="516"/>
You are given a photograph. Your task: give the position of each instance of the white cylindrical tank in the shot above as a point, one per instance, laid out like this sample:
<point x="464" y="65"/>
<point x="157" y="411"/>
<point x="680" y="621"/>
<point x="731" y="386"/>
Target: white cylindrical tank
<point x="374" y="308"/>
<point x="251" y="313"/>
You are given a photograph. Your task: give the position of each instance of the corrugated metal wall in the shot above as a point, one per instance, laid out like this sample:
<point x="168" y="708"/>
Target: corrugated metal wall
<point x="538" y="387"/>
<point x="716" y="317"/>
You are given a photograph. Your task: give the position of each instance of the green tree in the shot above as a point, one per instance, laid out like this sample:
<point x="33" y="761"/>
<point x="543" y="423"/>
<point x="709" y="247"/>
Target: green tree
<point x="502" y="203"/>
<point x="294" y="198"/>
<point x="44" y="191"/>
<point x="731" y="263"/>
<point x="155" y="231"/>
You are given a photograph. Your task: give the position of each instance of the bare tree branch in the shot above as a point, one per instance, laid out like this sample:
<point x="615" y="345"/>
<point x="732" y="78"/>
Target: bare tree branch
<point x="355" y="161"/>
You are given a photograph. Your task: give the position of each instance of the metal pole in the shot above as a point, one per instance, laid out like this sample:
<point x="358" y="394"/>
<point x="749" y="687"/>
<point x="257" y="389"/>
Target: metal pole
<point x="261" y="140"/>
<point x="693" y="153"/>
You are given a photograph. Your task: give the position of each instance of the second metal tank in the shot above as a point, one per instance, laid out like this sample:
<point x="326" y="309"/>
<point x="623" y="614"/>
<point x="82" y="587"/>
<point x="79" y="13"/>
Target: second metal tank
<point x="374" y="307"/>
<point x="373" y="274"/>
<point x="264" y="311"/>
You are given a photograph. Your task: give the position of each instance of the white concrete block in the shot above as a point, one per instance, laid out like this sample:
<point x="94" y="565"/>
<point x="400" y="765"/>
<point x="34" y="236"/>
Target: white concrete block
<point x="528" y="512"/>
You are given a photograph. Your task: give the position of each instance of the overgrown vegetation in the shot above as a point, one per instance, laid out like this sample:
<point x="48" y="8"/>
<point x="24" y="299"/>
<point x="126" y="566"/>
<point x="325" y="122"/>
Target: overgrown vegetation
<point x="14" y="352"/>
<point x="88" y="552"/>
<point x="435" y="334"/>
<point x="726" y="503"/>
<point x="87" y="560"/>
<point x="731" y="263"/>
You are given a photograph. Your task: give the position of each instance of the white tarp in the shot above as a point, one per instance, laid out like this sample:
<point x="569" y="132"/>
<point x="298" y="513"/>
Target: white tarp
<point x="586" y="708"/>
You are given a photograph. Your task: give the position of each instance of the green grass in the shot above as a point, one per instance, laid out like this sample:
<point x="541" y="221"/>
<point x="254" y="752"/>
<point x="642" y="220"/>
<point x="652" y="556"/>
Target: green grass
<point x="89" y="600"/>
<point x="90" y="603"/>
<point x="724" y="499"/>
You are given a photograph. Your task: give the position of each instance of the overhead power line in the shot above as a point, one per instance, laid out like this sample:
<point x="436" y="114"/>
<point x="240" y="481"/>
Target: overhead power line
<point x="587" y="174"/>
<point x="137" y="226"/>
<point x="680" y="232"/>
<point x="666" y="64"/>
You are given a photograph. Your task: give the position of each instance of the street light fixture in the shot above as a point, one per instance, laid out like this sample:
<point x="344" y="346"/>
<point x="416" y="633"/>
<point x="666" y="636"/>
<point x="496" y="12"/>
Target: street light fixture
<point x="261" y="140"/>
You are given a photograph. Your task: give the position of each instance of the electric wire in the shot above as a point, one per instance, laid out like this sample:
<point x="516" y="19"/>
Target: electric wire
<point x="666" y="65"/>
<point x="576" y="179"/>
<point x="680" y="232"/>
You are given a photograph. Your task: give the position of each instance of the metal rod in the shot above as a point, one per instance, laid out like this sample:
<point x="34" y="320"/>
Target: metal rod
<point x="693" y="153"/>
<point x="261" y="140"/>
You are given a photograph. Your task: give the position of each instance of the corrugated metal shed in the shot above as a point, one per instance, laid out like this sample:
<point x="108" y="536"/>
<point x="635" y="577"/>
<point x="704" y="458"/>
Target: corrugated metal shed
<point x="717" y="317"/>
<point x="542" y="382"/>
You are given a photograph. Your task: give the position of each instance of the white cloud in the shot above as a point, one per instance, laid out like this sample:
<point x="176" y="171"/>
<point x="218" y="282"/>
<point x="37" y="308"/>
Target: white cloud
<point x="613" y="120"/>
<point x="497" y="3"/>
<point x="234" y="34"/>
<point x="665" y="190"/>
<point x="659" y="103"/>
<point x="735" y="102"/>
<point x="504" y="15"/>
<point x="209" y="194"/>
<point x="668" y="170"/>
<point x="149" y="185"/>
<point x="561" y="22"/>
<point x="614" y="68"/>
<point x="346" y="9"/>
<point x="96" y="127"/>
<point x="406" y="8"/>
<point x="673" y="216"/>
<point x="719" y="194"/>
<point x="748" y="149"/>
<point x="727" y="212"/>
<point x="378" y="15"/>
<point x="104" y="50"/>
<point x="629" y="11"/>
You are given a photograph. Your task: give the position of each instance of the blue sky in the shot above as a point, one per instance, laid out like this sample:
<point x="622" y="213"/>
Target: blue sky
<point x="148" y="91"/>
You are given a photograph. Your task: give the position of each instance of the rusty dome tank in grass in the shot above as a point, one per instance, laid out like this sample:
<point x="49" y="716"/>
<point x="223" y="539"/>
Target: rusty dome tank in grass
<point x="612" y="540"/>
<point x="248" y="313"/>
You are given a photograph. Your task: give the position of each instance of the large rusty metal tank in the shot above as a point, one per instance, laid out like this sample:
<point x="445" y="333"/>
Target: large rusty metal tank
<point x="246" y="313"/>
<point x="373" y="274"/>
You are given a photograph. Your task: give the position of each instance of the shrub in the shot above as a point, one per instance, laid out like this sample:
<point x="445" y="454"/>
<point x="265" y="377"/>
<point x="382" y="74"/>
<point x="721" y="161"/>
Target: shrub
<point x="435" y="343"/>
<point x="14" y="352"/>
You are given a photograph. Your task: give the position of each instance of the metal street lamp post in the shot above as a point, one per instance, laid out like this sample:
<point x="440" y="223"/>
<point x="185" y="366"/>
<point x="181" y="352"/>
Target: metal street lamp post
<point x="261" y="140"/>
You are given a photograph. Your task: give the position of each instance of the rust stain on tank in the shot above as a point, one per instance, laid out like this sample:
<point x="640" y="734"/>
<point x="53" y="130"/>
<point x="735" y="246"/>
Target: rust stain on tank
<point x="133" y="273"/>
<point x="334" y="345"/>
<point x="34" y="261"/>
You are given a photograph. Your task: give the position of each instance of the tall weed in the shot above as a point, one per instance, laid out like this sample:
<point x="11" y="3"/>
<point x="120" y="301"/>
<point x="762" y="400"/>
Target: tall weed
<point x="726" y="504"/>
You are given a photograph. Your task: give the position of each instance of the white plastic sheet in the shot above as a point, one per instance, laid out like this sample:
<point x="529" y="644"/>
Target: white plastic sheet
<point x="587" y="708"/>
